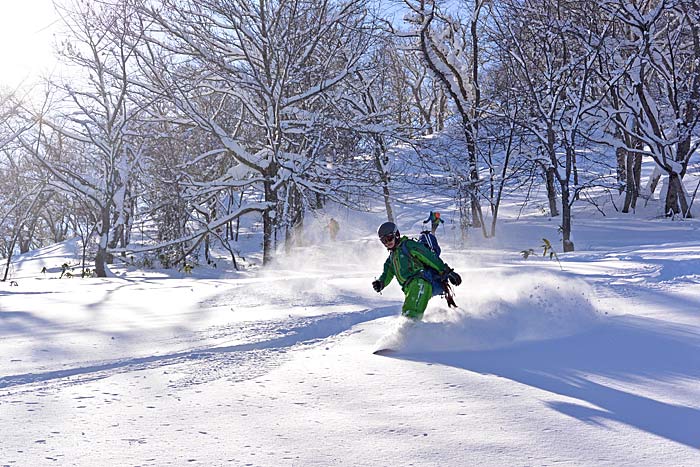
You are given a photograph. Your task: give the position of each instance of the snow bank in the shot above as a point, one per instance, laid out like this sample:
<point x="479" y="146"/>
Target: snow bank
<point x="499" y="311"/>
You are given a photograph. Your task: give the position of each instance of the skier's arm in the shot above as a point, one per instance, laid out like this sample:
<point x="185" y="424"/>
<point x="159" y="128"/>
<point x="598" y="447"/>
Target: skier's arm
<point x="388" y="273"/>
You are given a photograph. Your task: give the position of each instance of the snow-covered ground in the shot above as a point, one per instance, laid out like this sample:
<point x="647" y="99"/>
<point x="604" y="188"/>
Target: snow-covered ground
<point x="593" y="362"/>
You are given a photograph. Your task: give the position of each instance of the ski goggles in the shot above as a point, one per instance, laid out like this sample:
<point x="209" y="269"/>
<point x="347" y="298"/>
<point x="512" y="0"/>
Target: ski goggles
<point x="387" y="238"/>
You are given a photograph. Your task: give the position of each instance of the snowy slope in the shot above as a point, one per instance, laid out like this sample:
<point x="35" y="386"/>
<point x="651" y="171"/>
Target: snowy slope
<point x="595" y="362"/>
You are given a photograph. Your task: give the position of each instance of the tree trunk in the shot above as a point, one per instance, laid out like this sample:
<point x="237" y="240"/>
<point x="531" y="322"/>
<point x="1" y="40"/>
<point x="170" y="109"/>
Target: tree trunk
<point x="637" y="169"/>
<point x="101" y="256"/>
<point x="294" y="230"/>
<point x="551" y="172"/>
<point x="676" y="202"/>
<point x="465" y="213"/>
<point x="380" y="161"/>
<point x="24" y="243"/>
<point x="653" y="181"/>
<point x="567" y="244"/>
<point x="631" y="183"/>
<point x="551" y="192"/>
<point x="479" y="215"/>
<point x="114" y="241"/>
<point x="387" y="203"/>
<point x="620" y="154"/>
<point x="128" y="227"/>
<point x="9" y="257"/>
<point x="100" y="261"/>
<point x="268" y="226"/>
<point x="238" y="219"/>
<point x="269" y="220"/>
<point x="441" y="111"/>
<point x="84" y="242"/>
<point x="575" y="172"/>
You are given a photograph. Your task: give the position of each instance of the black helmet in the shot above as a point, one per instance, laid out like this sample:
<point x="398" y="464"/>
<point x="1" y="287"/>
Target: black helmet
<point x="387" y="231"/>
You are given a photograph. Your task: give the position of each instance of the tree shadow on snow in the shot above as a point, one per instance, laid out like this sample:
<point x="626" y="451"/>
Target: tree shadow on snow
<point x="624" y="349"/>
<point x="293" y="332"/>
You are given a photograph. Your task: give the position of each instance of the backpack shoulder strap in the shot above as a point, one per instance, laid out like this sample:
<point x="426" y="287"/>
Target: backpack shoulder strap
<point x="404" y="247"/>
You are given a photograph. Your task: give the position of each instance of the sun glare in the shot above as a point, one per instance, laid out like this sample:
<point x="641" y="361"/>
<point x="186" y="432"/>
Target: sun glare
<point x="26" y="40"/>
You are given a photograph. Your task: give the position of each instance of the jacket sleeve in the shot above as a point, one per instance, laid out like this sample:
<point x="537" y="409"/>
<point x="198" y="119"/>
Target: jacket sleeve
<point x="388" y="273"/>
<point x="423" y="254"/>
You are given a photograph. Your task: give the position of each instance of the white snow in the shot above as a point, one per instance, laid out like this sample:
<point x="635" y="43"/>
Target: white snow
<point x="594" y="362"/>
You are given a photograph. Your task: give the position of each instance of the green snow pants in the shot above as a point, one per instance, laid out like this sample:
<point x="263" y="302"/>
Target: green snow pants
<point x="418" y="293"/>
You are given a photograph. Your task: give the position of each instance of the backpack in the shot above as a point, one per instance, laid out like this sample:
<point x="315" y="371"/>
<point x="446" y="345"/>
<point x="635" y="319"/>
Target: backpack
<point x="440" y="285"/>
<point x="429" y="240"/>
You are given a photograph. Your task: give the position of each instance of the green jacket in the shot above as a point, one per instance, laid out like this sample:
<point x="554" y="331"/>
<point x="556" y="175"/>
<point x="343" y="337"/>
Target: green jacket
<point x="407" y="267"/>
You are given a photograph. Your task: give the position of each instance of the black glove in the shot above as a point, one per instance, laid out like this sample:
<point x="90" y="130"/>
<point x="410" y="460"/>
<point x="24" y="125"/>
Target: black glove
<point x="454" y="278"/>
<point x="377" y="286"/>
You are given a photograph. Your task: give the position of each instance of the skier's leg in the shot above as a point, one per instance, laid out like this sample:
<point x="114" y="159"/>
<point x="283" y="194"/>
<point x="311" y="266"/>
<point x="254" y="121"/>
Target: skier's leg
<point x="418" y="293"/>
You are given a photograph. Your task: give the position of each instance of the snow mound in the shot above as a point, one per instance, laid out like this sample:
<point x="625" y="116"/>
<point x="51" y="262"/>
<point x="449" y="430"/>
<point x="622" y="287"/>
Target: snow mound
<point x="499" y="311"/>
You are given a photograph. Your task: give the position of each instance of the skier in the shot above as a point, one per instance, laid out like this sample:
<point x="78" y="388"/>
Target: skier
<point x="333" y="228"/>
<point x="417" y="269"/>
<point x="435" y="221"/>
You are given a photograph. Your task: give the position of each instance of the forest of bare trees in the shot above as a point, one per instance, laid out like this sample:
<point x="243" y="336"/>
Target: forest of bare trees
<point x="176" y="120"/>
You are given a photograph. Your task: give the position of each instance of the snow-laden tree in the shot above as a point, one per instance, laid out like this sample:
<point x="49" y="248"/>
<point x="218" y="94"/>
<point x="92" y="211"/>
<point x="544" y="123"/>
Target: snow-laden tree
<point x="426" y="100"/>
<point x="271" y="61"/>
<point x="391" y="100"/>
<point x="23" y="189"/>
<point x="165" y="203"/>
<point x="451" y="49"/>
<point x="371" y="105"/>
<point x="506" y="144"/>
<point x="657" y="109"/>
<point x="552" y="50"/>
<point x="628" y="163"/>
<point x="93" y="110"/>
<point x="19" y="200"/>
